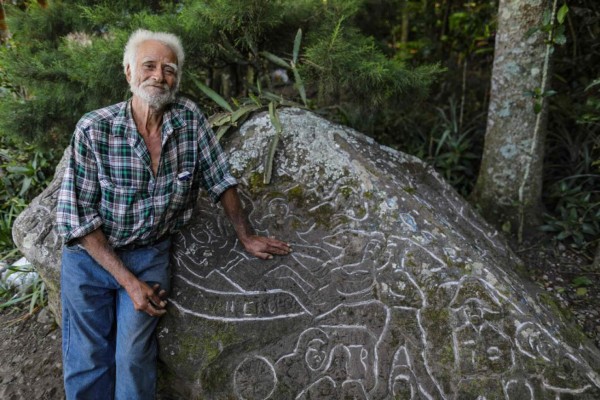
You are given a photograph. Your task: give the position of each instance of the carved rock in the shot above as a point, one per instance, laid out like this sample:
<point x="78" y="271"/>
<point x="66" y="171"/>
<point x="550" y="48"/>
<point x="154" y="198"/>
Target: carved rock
<point x="396" y="288"/>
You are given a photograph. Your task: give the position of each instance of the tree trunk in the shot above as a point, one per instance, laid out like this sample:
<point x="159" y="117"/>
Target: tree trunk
<point x="509" y="184"/>
<point x="4" y="32"/>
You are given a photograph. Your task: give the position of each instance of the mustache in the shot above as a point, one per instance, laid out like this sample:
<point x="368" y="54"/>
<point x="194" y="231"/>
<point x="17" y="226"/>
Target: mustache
<point x="163" y="86"/>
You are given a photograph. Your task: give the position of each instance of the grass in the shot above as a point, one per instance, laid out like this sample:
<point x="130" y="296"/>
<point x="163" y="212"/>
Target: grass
<point x="31" y="294"/>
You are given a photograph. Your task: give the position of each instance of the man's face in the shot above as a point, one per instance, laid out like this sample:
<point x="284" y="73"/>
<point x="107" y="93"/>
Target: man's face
<point x="153" y="78"/>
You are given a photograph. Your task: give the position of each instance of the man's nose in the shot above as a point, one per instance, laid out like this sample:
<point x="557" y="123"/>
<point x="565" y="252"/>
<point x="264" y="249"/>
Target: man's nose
<point x="158" y="75"/>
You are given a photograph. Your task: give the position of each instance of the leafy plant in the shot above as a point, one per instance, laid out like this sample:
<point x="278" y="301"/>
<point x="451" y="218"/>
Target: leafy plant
<point x="9" y="211"/>
<point x="453" y="151"/>
<point x="232" y="118"/>
<point x="268" y="165"/>
<point x="576" y="217"/>
<point x="24" y="173"/>
<point x="32" y="290"/>
<point x="582" y="281"/>
<point x="292" y="65"/>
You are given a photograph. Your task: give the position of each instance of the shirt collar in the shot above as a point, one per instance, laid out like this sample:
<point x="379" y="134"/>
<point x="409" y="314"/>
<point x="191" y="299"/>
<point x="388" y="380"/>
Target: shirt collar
<point x="124" y="125"/>
<point x="172" y="121"/>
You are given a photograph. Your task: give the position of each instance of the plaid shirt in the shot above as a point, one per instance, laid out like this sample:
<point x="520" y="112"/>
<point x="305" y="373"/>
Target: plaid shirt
<point x="109" y="182"/>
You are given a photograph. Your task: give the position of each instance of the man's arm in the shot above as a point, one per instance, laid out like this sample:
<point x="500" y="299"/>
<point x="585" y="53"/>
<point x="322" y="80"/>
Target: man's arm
<point x="258" y="246"/>
<point x="144" y="297"/>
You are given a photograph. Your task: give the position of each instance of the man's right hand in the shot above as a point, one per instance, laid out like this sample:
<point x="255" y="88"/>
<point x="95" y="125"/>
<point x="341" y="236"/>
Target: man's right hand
<point x="143" y="297"/>
<point x="150" y="300"/>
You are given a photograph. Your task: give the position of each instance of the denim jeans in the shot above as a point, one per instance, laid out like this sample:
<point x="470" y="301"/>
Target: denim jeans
<point x="109" y="348"/>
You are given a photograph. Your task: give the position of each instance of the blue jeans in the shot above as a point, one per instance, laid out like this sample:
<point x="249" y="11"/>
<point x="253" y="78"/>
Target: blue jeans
<point x="109" y="348"/>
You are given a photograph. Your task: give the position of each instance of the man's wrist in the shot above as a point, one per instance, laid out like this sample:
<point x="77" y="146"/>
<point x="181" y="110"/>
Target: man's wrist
<point x="245" y="235"/>
<point x="126" y="280"/>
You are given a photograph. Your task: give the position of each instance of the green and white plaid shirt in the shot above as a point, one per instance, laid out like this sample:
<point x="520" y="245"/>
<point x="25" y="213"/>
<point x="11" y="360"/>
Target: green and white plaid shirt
<point x="109" y="182"/>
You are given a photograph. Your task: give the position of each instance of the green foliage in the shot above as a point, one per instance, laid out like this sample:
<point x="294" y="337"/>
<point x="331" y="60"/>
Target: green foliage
<point x="471" y="28"/>
<point x="47" y="64"/>
<point x="24" y="172"/>
<point x="452" y="149"/>
<point x="581" y="281"/>
<point x="455" y="151"/>
<point x="268" y="163"/>
<point x="576" y="217"/>
<point x="572" y="168"/>
<point x="65" y="60"/>
<point x="366" y="63"/>
<point x="345" y="65"/>
<point x="33" y="293"/>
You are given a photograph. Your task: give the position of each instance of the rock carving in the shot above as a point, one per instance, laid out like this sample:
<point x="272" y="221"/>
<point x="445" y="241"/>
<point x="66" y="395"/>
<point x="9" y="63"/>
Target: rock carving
<point x="396" y="289"/>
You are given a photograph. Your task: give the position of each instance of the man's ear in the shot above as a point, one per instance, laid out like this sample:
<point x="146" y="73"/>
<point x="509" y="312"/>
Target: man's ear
<point x="128" y="73"/>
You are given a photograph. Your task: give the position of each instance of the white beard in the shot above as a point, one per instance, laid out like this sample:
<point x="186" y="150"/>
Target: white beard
<point x="155" y="98"/>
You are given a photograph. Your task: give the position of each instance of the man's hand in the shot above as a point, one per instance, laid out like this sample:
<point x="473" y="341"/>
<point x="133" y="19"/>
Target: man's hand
<point x="264" y="247"/>
<point x="146" y="298"/>
<point x="259" y="246"/>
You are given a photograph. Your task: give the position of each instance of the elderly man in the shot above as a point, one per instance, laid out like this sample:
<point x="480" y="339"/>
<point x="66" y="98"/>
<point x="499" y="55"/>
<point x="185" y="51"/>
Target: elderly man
<point x="135" y="171"/>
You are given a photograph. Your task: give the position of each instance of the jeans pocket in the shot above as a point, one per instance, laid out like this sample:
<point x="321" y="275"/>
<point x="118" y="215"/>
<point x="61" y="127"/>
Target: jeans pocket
<point x="74" y="247"/>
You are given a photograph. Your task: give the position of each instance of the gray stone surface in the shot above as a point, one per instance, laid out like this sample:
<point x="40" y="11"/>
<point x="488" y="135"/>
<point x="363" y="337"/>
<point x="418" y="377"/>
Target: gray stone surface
<point x="396" y="289"/>
<point x="34" y="234"/>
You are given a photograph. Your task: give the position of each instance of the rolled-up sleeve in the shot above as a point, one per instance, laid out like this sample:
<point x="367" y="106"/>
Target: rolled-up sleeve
<point x="216" y="177"/>
<point x="79" y="194"/>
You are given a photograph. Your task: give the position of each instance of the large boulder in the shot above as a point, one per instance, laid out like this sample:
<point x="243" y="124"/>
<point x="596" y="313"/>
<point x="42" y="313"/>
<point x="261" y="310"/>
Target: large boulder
<point x="396" y="288"/>
<point x="36" y="237"/>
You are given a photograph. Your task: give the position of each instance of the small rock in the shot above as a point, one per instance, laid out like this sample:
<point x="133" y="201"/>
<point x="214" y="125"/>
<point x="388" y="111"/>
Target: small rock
<point x="44" y="317"/>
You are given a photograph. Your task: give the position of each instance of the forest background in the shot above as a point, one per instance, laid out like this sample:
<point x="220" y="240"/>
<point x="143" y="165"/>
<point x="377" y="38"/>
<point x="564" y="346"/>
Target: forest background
<point x="413" y="74"/>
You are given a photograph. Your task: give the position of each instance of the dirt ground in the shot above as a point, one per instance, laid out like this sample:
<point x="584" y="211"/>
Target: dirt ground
<point x="30" y="354"/>
<point x="31" y="365"/>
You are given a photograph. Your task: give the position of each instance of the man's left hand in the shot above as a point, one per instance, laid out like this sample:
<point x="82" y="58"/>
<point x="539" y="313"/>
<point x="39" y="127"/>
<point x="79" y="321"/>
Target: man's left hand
<point x="265" y="247"/>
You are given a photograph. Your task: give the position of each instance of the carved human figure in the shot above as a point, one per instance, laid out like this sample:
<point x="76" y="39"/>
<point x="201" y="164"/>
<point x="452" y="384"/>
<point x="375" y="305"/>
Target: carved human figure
<point x="481" y="347"/>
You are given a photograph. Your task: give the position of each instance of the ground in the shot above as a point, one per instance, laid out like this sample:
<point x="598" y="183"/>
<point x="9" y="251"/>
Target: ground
<point x="31" y="365"/>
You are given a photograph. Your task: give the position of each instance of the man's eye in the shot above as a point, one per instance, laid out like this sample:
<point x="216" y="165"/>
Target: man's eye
<point x="148" y="66"/>
<point x="169" y="71"/>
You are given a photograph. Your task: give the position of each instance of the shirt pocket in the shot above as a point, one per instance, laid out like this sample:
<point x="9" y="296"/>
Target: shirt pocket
<point x="123" y="207"/>
<point x="181" y="194"/>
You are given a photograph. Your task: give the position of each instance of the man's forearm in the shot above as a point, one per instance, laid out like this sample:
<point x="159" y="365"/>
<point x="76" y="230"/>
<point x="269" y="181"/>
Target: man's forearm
<point x="143" y="297"/>
<point x="99" y="249"/>
<point x="235" y="213"/>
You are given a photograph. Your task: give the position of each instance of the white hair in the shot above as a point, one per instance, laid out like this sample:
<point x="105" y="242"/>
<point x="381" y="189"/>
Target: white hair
<point x="142" y="35"/>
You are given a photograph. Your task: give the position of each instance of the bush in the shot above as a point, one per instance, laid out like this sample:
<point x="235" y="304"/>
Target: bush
<point x="24" y="172"/>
